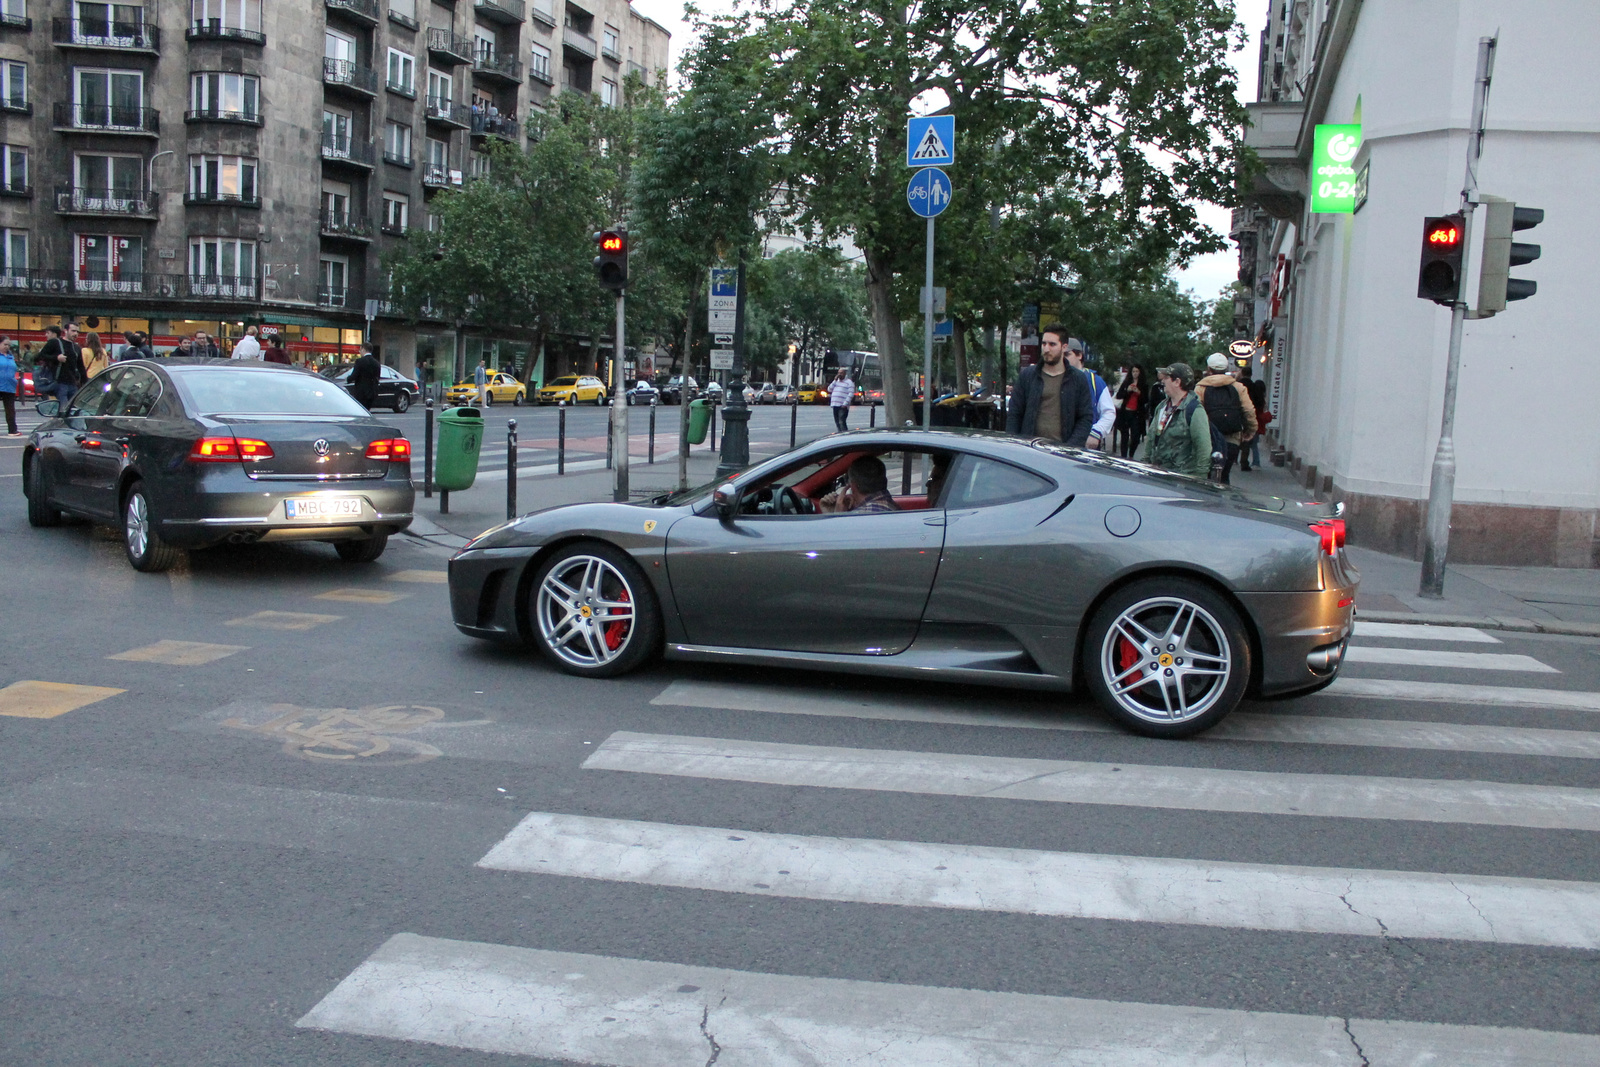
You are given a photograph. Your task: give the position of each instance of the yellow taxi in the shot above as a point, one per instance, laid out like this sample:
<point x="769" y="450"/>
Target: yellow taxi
<point x="574" y="389"/>
<point x="500" y="388"/>
<point x="809" y="391"/>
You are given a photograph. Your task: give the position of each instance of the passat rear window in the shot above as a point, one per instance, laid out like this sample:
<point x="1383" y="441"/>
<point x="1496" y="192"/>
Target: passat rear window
<point x="219" y="391"/>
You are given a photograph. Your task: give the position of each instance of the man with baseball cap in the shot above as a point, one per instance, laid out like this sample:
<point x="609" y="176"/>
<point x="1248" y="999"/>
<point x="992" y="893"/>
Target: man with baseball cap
<point x="1105" y="406"/>
<point x="1179" y="438"/>
<point x="1228" y="407"/>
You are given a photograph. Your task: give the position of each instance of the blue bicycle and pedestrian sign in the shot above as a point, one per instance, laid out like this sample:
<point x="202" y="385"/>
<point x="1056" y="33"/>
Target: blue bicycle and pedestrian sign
<point x="928" y="192"/>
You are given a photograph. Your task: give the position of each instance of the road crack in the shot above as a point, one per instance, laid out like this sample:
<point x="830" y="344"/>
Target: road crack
<point x="1356" y="1044"/>
<point x="705" y="1018"/>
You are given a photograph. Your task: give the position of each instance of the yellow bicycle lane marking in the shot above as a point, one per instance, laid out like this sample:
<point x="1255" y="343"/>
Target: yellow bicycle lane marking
<point x="346" y="734"/>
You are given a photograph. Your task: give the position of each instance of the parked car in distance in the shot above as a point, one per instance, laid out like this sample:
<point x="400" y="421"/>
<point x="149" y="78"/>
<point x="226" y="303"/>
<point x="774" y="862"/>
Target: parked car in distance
<point x="501" y="387"/>
<point x="673" y="391"/>
<point x="766" y="393"/>
<point x="713" y="392"/>
<point x="642" y="393"/>
<point x="785" y="394"/>
<point x="811" y="393"/>
<point x="574" y="389"/>
<point x="395" y="390"/>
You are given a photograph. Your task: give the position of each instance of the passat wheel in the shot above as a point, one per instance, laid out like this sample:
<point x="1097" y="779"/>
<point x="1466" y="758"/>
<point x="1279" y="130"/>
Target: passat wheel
<point x="402" y="402"/>
<point x="593" y="612"/>
<point x="40" y="511"/>
<point x="361" y="551"/>
<point x="141" y="537"/>
<point x="1167" y="657"/>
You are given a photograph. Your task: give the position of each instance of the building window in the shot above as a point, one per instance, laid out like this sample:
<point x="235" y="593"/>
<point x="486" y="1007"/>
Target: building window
<point x="339" y="46"/>
<point x="118" y="25"/>
<point x="395" y="216"/>
<point x="335" y="204"/>
<point x="405" y="9"/>
<point x="14" y="250"/>
<point x="435" y="222"/>
<point x="14" y="12"/>
<point x="225" y="16"/>
<point x="333" y="281"/>
<point x="441" y="93"/>
<point x="108" y="98"/>
<point x="478" y="164"/>
<point x="336" y="132"/>
<point x="611" y="41"/>
<point x="484" y="45"/>
<point x="102" y="178"/>
<point x="608" y="92"/>
<point x="222" y="266"/>
<point x="14" y="84"/>
<point x="216" y="95"/>
<point x="438" y="169"/>
<point x="223" y="178"/>
<point x="397" y="143"/>
<point x="539" y="63"/>
<point x="402" y="73"/>
<point x="14" y="168"/>
<point x="109" y="263"/>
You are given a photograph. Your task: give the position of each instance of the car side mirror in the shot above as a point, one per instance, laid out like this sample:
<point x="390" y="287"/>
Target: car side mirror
<point x="726" y="501"/>
<point x="48" y="408"/>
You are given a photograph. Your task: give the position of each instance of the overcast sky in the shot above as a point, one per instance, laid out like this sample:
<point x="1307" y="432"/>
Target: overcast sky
<point x="1207" y="275"/>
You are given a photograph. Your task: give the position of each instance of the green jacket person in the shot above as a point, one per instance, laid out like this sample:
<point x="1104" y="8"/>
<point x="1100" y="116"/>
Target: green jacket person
<point x="1179" y="439"/>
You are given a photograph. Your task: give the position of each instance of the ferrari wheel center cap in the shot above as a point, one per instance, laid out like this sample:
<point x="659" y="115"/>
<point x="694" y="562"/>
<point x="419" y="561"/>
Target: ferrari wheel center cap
<point x="586" y="611"/>
<point x="1166" y="659"/>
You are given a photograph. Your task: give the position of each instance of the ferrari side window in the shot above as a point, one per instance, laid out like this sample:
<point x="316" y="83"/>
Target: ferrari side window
<point x="981" y="482"/>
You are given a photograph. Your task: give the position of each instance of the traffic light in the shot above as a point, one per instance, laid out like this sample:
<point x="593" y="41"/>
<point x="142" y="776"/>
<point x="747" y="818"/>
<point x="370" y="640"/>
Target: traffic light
<point x="1444" y="241"/>
<point x="1501" y="253"/>
<point x="611" y="265"/>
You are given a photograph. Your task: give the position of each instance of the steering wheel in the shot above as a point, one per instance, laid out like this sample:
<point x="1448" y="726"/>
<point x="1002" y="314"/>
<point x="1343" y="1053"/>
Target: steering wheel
<point x="791" y="502"/>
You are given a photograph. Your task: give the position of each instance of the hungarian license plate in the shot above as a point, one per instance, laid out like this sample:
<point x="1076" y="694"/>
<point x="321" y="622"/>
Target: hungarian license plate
<point x="312" y="509"/>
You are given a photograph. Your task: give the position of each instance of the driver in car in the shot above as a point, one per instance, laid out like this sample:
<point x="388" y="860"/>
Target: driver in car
<point x="867" y="493"/>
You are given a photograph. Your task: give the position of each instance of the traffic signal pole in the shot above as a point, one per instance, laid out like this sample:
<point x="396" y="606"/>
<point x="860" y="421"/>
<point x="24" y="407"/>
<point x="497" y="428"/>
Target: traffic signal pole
<point x="1442" y="485"/>
<point x="619" y="413"/>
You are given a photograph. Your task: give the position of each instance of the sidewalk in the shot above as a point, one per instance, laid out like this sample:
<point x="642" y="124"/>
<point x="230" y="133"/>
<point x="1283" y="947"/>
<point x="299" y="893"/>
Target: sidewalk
<point x="1529" y="599"/>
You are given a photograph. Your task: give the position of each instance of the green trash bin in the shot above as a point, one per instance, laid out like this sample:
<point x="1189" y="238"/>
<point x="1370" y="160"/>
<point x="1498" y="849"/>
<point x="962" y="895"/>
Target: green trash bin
<point x="699" y="421"/>
<point x="455" y="464"/>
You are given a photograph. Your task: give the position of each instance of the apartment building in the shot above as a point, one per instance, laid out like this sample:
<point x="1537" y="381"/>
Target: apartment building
<point x="175" y="165"/>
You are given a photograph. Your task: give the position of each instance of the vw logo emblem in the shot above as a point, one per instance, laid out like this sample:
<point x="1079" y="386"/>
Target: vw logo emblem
<point x="320" y="446"/>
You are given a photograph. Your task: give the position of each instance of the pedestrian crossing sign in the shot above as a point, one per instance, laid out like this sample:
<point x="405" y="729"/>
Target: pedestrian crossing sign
<point x="931" y="141"/>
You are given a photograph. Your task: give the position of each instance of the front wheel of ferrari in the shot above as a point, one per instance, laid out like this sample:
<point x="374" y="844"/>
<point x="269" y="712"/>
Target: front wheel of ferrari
<point x="593" y="613"/>
<point x="1167" y="657"/>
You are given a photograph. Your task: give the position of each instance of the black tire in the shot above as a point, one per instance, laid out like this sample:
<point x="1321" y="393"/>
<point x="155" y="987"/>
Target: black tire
<point x="620" y="582"/>
<point x="141" y="534"/>
<point x="40" y="512"/>
<point x="362" y="551"/>
<point x="402" y="402"/>
<point x="1205" y="673"/>
<point x="488" y="399"/>
<point x="600" y="400"/>
<point x="516" y="401"/>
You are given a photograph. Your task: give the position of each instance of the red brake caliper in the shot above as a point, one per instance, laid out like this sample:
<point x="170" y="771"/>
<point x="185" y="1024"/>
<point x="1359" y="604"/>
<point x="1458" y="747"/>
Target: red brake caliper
<point x="1127" y="656"/>
<point x="616" y="631"/>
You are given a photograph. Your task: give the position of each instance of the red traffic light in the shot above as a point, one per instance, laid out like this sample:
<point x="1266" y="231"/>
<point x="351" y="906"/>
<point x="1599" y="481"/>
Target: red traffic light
<point x="611" y="265"/>
<point x="611" y="243"/>
<point x="1444" y="236"/>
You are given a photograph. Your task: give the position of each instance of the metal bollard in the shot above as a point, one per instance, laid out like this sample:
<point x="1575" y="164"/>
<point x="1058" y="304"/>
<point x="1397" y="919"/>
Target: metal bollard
<point x="511" y="469"/>
<point x="712" y="429"/>
<point x="652" y="430"/>
<point x="794" y="421"/>
<point x="561" y="437"/>
<point x="427" y="448"/>
<point x="872" y="416"/>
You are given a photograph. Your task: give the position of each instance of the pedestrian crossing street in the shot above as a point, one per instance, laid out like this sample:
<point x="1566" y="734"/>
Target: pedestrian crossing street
<point x="611" y="1009"/>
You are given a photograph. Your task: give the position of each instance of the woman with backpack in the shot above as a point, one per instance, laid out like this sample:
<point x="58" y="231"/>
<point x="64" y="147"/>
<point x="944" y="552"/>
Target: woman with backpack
<point x="1228" y="407"/>
<point x="1179" y="435"/>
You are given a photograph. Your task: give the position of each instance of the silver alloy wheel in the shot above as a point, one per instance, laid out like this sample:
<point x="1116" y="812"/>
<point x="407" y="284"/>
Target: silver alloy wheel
<point x="586" y="611"/>
<point x="137" y="525"/>
<point x="1166" y="660"/>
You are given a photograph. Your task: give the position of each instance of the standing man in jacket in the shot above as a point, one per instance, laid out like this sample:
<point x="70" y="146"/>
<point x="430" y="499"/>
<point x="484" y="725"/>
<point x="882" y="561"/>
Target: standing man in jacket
<point x="1179" y="439"/>
<point x="364" y="377"/>
<point x="1230" y="412"/>
<point x="840" y="392"/>
<point x="1049" y="402"/>
<point x="1105" y="407"/>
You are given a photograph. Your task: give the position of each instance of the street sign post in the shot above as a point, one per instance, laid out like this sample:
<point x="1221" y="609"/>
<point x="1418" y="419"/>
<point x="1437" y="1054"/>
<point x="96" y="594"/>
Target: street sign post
<point x="931" y="141"/>
<point x="722" y="359"/>
<point x="928" y="193"/>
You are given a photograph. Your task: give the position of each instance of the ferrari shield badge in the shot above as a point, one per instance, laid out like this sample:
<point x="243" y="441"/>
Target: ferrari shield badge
<point x="649" y="526"/>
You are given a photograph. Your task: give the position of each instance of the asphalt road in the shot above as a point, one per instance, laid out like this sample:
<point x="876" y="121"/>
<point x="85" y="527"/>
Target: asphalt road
<point x="302" y="821"/>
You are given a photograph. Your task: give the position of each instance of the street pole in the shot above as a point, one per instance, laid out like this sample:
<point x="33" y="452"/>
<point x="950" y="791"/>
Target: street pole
<point x="735" y="412"/>
<point x="1442" y="485"/>
<point x="619" y="416"/>
<point x="927" y="332"/>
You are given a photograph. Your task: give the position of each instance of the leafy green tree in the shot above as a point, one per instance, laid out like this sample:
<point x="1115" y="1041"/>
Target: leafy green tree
<point x="805" y="297"/>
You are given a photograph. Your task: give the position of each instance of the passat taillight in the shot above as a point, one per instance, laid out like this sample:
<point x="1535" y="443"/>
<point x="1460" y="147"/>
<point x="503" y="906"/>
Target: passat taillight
<point x="395" y="448"/>
<point x="229" y="449"/>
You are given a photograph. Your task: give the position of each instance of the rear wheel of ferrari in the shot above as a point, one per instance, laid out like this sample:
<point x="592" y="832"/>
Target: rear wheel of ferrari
<point x="1167" y="657"/>
<point x="593" y="612"/>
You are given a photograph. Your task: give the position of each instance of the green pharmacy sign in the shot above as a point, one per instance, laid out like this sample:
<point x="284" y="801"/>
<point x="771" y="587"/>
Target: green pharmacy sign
<point x="1334" y="189"/>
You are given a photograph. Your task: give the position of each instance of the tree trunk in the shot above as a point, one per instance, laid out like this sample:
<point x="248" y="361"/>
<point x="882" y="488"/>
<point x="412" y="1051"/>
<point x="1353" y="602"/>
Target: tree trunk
<point x="891" y="343"/>
<point x="958" y="354"/>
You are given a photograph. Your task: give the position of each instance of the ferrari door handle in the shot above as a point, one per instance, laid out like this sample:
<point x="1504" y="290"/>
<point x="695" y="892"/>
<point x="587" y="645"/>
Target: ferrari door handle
<point x="933" y="520"/>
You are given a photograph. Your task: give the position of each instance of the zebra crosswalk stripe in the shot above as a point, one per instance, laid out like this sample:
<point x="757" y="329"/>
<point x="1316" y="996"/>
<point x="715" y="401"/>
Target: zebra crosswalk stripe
<point x="641" y="1013"/>
<point x="1320" y="900"/>
<point x="1503" y="696"/>
<point x="1123" y="784"/>
<point x="1411" y="631"/>
<point x="1435" y="657"/>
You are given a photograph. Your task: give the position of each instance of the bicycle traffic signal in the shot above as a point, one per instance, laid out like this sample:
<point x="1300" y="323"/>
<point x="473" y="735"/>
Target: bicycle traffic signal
<point x="611" y="265"/>
<point x="1501" y="253"/>
<point x="1444" y="241"/>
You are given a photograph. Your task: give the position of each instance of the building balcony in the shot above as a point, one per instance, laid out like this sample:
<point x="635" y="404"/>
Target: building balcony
<point x="239" y="200"/>
<point x="363" y="10"/>
<point x="340" y="296"/>
<point x="17" y="189"/>
<point x="106" y="203"/>
<point x="508" y="11"/>
<point x="212" y="114"/>
<point x="436" y="177"/>
<point x="105" y="34"/>
<point x="542" y="75"/>
<point x="497" y="126"/>
<point x="543" y="11"/>
<point x="402" y="20"/>
<point x="497" y="67"/>
<point x="343" y="74"/>
<point x="398" y="159"/>
<point x="216" y="286"/>
<point x="446" y="113"/>
<point x="123" y="282"/>
<point x="347" y="151"/>
<point x="16" y="105"/>
<point x="9" y="21"/>
<point x="636" y="68"/>
<point x="214" y="30"/>
<point x="579" y="43"/>
<point x="34" y="280"/>
<point x="407" y="91"/>
<point x="393" y="229"/>
<point x="1274" y="130"/>
<point x="449" y="49"/>
<point x="610" y="54"/>
<point x="348" y="227"/>
<point x="108" y="118"/>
